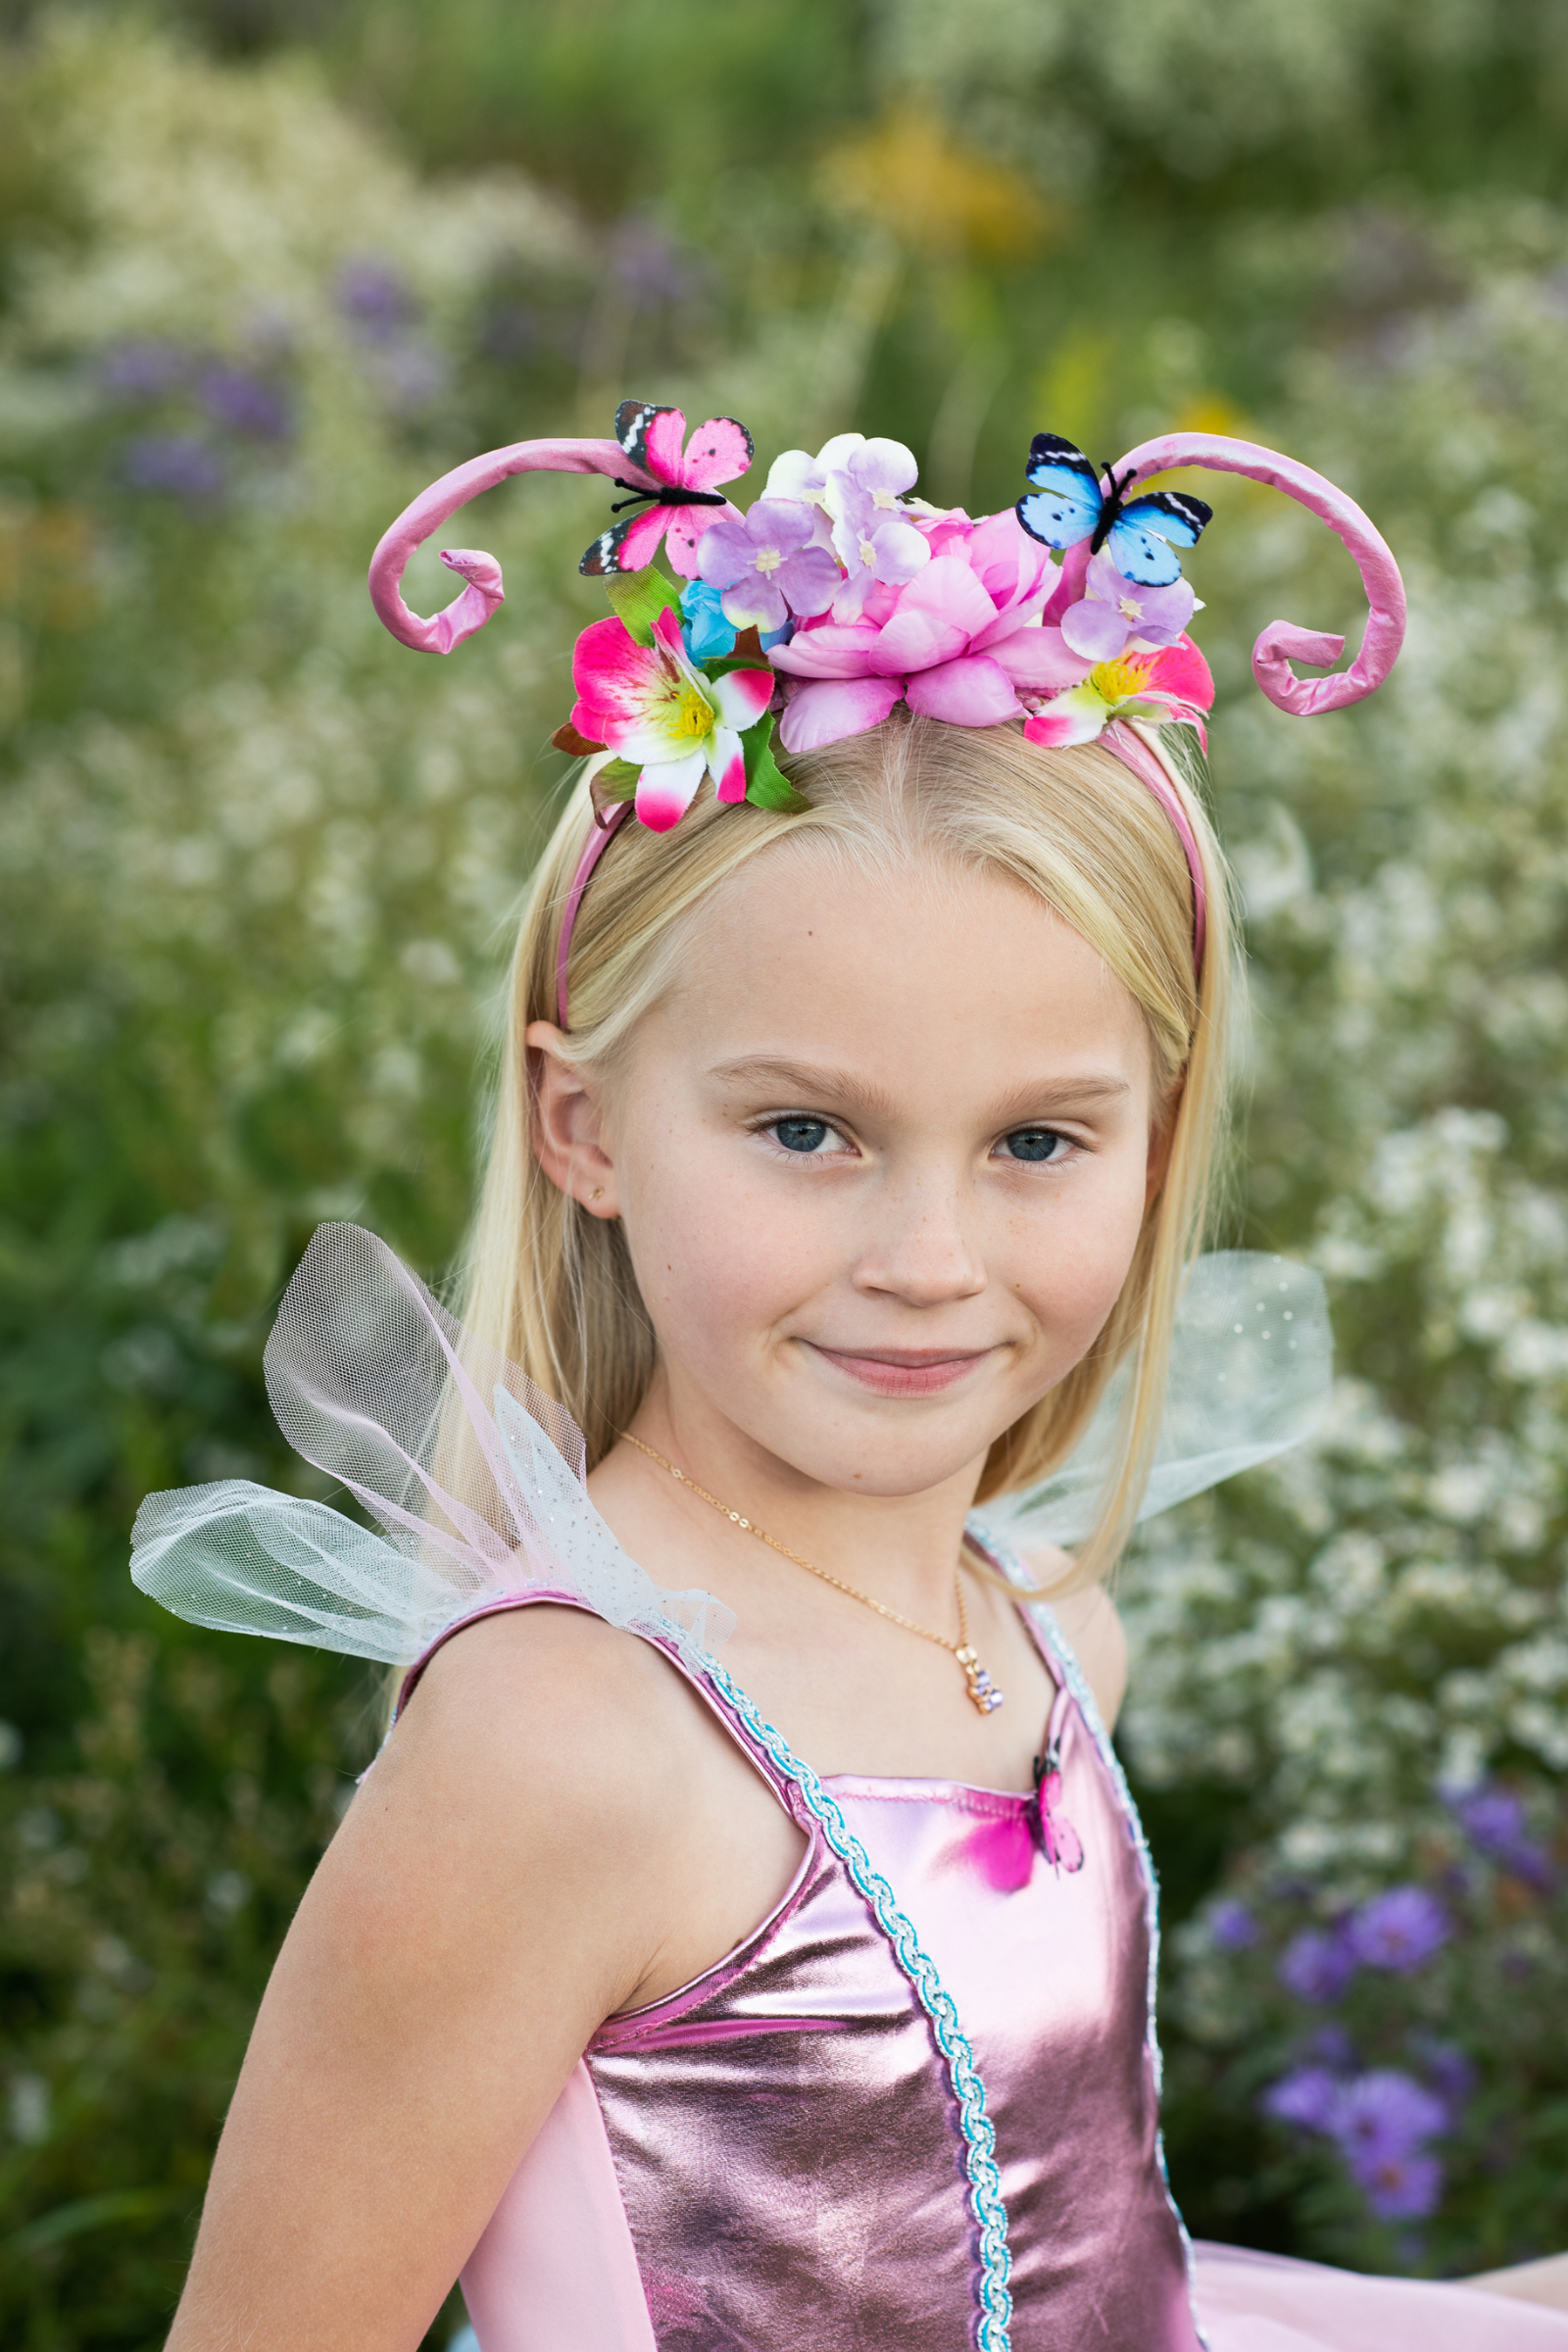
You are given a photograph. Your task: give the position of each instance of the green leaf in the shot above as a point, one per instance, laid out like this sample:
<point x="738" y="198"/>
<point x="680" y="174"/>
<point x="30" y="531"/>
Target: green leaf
<point x="766" y="785"/>
<point x="638" y="598"/>
<point x="617" y="780"/>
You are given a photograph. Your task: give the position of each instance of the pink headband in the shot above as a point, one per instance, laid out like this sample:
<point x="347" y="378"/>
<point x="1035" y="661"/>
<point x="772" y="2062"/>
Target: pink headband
<point x="868" y="601"/>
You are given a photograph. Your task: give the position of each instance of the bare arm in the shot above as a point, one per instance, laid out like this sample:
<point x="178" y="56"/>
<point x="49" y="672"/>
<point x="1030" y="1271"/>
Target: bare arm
<point x="523" y="1862"/>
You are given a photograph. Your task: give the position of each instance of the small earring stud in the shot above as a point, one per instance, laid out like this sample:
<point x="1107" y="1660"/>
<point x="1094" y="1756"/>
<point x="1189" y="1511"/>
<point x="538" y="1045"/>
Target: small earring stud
<point x="598" y="1192"/>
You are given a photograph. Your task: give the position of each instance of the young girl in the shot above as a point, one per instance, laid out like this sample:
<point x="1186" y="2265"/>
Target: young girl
<point x="744" y="1937"/>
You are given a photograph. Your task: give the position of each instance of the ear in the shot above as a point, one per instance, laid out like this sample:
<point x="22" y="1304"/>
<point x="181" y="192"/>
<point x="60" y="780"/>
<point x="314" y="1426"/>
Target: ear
<point x="1161" y="1136"/>
<point x="565" y="1123"/>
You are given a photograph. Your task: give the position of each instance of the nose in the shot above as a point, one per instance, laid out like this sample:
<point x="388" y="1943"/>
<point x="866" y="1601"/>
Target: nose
<point x="921" y="1252"/>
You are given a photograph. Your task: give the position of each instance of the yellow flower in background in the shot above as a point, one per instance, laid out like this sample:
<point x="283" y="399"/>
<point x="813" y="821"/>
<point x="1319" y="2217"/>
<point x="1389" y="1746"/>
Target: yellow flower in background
<point x="912" y="177"/>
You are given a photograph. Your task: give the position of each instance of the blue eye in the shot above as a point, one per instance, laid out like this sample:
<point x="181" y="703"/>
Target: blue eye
<point x="801" y="1134"/>
<point x="1037" y="1143"/>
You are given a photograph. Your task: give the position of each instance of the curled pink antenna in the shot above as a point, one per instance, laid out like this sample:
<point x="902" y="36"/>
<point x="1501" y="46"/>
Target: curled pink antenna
<point x="1282" y="642"/>
<point x="482" y="573"/>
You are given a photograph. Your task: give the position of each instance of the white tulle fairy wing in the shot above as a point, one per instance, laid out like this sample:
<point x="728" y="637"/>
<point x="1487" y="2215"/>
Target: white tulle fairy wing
<point x="475" y="1475"/>
<point x="1251" y="1370"/>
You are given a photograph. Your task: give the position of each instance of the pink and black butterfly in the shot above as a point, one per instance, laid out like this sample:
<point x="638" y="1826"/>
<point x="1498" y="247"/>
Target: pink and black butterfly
<point x="719" y="451"/>
<point x="1051" y="1831"/>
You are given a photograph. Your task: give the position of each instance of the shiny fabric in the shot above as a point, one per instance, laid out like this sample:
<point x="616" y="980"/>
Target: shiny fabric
<point x="774" y="2152"/>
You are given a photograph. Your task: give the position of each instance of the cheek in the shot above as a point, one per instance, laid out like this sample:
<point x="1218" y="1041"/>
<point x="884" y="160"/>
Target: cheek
<point x="1069" y="1272"/>
<point x="720" y="1257"/>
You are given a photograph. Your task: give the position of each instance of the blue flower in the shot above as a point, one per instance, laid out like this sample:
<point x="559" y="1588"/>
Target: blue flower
<point x="705" y="633"/>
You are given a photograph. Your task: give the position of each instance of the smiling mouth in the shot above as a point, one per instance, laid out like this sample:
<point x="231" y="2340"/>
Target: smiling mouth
<point x="904" y="1371"/>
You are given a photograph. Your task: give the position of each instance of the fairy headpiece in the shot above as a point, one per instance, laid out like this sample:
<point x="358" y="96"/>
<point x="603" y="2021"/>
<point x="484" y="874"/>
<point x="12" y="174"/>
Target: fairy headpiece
<point x="839" y="595"/>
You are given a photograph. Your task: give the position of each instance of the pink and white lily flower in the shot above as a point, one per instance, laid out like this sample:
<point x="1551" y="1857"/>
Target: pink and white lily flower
<point x="1160" y="683"/>
<point x="646" y="705"/>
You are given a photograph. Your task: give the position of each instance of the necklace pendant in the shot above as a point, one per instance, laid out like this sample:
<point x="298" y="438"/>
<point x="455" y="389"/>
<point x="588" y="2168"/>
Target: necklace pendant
<point x="984" y="1696"/>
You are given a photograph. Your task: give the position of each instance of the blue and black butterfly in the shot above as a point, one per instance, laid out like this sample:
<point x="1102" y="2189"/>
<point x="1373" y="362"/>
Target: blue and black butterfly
<point x="1068" y="503"/>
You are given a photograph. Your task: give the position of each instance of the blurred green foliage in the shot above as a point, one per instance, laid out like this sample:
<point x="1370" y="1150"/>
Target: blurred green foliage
<point x="263" y="271"/>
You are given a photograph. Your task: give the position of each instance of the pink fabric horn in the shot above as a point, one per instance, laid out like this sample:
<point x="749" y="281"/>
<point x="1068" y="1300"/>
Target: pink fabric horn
<point x="484" y="592"/>
<point x="1282" y="642"/>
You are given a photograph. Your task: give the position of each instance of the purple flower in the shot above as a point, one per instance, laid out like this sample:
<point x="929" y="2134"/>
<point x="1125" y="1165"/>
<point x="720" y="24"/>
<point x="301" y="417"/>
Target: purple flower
<point x="1494" y="1820"/>
<point x="1452" y="2075"/>
<point x="653" y="267"/>
<point x="374" y="299"/>
<point x="1232" y="1926"/>
<point x="1400" y="1931"/>
<point x="873" y="537"/>
<point x="760" y="559"/>
<point x="1317" y="1965"/>
<point x="1385" y="2111"/>
<point x="1399" y="2187"/>
<point x="1308" y="2096"/>
<point x="1114" y="609"/>
<point x="142" y="368"/>
<point x="178" y="465"/>
<point x="246" y="404"/>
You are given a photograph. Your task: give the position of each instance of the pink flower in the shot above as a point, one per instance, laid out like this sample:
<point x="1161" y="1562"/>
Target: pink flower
<point x="1114" y="610"/>
<point x="1156" y="683"/>
<point x="962" y="640"/>
<point x="646" y="705"/>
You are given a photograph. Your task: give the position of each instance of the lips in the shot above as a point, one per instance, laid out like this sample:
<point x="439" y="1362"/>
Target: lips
<point x="904" y="1371"/>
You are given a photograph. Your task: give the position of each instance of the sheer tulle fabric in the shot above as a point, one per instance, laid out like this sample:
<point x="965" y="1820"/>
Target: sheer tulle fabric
<point x="474" y="1476"/>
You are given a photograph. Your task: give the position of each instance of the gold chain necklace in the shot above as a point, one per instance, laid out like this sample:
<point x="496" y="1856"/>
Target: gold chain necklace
<point x="984" y="1695"/>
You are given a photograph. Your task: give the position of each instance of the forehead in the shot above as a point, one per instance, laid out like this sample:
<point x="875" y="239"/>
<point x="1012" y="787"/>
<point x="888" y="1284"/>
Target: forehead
<point x="921" y="973"/>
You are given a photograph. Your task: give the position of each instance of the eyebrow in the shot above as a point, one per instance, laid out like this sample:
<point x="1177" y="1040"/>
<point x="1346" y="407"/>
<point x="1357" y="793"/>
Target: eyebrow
<point x="1027" y="1101"/>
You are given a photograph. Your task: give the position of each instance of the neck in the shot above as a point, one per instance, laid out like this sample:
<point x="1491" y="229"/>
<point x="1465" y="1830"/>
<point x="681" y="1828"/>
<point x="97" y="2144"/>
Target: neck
<point x="901" y="1547"/>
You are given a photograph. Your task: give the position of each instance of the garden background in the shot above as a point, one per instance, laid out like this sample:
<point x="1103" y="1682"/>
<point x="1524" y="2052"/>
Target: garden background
<point x="265" y="269"/>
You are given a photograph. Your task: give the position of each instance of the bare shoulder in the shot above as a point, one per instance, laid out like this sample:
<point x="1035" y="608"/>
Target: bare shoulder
<point x="1089" y="1619"/>
<point x="566" y="1772"/>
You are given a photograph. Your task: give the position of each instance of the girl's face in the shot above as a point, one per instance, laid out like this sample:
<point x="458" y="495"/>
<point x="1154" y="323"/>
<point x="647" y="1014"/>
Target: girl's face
<point x="882" y="1161"/>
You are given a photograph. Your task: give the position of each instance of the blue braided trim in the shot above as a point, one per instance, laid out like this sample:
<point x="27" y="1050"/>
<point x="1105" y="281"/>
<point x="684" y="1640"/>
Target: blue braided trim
<point x="992" y="2296"/>
<point x="1061" y="1650"/>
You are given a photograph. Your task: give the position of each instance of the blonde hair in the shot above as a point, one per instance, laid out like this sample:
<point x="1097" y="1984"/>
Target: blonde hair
<point x="553" y="1286"/>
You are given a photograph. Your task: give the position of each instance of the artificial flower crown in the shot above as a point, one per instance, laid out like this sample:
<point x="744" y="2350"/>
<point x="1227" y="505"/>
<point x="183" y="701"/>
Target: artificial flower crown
<point x="839" y="594"/>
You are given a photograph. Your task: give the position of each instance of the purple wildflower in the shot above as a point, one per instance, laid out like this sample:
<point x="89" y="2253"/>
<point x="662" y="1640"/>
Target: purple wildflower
<point x="1232" y="1926"/>
<point x="1399" y="2186"/>
<point x="1317" y="1965"/>
<point x="1112" y="609"/>
<point x="178" y="465"/>
<point x="1308" y="2096"/>
<point x="374" y="299"/>
<point x="763" y="558"/>
<point x="1450" y="2072"/>
<point x="1400" y="1931"/>
<point x="142" y="368"/>
<point x="246" y="402"/>
<point x="652" y="267"/>
<point x="1385" y="2111"/>
<point x="1494" y="1820"/>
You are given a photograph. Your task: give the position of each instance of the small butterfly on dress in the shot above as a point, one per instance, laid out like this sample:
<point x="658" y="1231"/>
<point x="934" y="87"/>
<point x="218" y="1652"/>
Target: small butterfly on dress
<point x="1068" y="503"/>
<point x="652" y="436"/>
<point x="1052" y="1832"/>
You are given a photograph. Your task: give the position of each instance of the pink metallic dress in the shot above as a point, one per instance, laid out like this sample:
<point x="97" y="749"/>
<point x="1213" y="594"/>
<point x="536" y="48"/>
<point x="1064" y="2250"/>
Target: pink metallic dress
<point x="916" y="2110"/>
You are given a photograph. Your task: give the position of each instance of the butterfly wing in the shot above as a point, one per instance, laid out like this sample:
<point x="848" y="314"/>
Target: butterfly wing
<point x="718" y="452"/>
<point x="1146" y="532"/>
<point x="652" y="437"/>
<point x="1059" y="1841"/>
<point x="629" y="545"/>
<point x="1067" y="502"/>
<point x="686" y="527"/>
